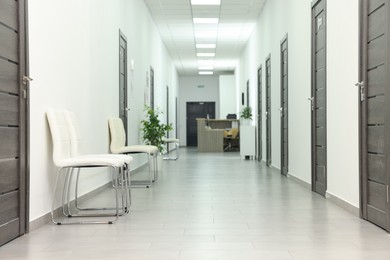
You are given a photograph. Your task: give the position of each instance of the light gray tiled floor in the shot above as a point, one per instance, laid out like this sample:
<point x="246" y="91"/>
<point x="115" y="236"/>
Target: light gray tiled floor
<point x="217" y="207"/>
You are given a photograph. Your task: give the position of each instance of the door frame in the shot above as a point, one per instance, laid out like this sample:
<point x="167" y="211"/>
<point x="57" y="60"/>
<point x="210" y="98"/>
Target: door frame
<point x="259" y="113"/>
<point x="25" y="120"/>
<point x="122" y="37"/>
<point x="247" y="93"/>
<point x="363" y="108"/>
<point x="151" y="82"/>
<point x="283" y="114"/>
<point x="313" y="101"/>
<point x="268" y="104"/>
<point x="23" y="94"/>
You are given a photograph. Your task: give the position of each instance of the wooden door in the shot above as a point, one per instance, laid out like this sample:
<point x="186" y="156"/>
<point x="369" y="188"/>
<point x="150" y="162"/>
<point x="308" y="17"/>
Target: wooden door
<point x="318" y="99"/>
<point x="268" y="108"/>
<point x="13" y="121"/>
<point x="247" y="93"/>
<point x="123" y="106"/>
<point x="167" y="111"/>
<point x="284" y="105"/>
<point x="177" y="117"/>
<point x="197" y="110"/>
<point x="375" y="111"/>
<point x="259" y="114"/>
<point x="151" y="87"/>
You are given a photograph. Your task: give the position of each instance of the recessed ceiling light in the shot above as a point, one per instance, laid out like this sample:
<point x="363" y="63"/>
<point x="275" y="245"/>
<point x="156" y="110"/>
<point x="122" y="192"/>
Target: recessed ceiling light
<point x="206" y="46"/>
<point x="206" y="68"/>
<point x="205" y="20"/>
<point x="205" y="54"/>
<point x="206" y="2"/>
<point x="206" y="73"/>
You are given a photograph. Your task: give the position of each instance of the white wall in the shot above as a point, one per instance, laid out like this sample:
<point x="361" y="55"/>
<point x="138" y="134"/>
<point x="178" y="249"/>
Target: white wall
<point x="342" y="95"/>
<point x="293" y="17"/>
<point x="189" y="92"/>
<point x="227" y="95"/>
<point x="74" y="63"/>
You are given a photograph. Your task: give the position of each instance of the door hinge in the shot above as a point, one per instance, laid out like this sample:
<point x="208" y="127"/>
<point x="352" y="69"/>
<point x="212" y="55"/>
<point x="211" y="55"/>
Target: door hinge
<point x="361" y="86"/>
<point x="311" y="99"/>
<point x="387" y="193"/>
<point x="24" y="94"/>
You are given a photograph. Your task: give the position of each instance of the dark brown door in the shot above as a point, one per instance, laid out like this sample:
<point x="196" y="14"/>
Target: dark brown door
<point x="318" y="99"/>
<point x="197" y="110"/>
<point x="151" y="87"/>
<point x="177" y="117"/>
<point x="284" y="105"/>
<point x="123" y="106"/>
<point x="13" y="122"/>
<point x="268" y="108"/>
<point x="375" y="111"/>
<point x="259" y="114"/>
<point x="247" y="93"/>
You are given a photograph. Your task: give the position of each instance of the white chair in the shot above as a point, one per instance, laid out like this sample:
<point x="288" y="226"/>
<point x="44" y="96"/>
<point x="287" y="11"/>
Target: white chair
<point x="167" y="142"/>
<point x="67" y="163"/>
<point x="76" y="142"/>
<point x="118" y="146"/>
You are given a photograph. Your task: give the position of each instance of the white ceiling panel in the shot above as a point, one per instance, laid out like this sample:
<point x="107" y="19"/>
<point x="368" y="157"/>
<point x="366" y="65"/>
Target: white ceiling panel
<point x="173" y="19"/>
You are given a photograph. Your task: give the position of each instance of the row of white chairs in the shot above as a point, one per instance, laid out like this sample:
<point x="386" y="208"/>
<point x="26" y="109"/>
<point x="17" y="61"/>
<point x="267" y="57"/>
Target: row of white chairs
<point x="66" y="142"/>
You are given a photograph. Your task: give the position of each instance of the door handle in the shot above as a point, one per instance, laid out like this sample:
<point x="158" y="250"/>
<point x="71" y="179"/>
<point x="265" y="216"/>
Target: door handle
<point x="26" y="79"/>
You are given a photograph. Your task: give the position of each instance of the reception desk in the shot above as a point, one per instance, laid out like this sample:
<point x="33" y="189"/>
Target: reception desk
<point x="210" y="133"/>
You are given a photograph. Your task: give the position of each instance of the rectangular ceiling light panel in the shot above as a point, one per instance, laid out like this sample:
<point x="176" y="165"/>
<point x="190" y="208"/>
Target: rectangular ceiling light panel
<point x="205" y="2"/>
<point x="206" y="73"/>
<point x="205" y="54"/>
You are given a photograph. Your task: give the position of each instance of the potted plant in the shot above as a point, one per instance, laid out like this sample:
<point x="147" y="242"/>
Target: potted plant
<point x="246" y="115"/>
<point x="153" y="130"/>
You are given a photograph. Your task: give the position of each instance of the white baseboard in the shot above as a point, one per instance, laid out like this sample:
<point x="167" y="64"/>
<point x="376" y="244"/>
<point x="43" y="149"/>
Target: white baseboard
<point x="332" y="198"/>
<point x="35" y="224"/>
<point x="343" y="204"/>
<point x="301" y="182"/>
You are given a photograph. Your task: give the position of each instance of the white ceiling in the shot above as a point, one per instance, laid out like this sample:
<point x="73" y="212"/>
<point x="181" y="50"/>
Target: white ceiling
<point x="173" y="19"/>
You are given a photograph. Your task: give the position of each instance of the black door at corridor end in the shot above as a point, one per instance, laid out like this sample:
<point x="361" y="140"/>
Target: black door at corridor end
<point x="197" y="110"/>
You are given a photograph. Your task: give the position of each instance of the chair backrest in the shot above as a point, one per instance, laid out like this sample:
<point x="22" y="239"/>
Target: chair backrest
<point x="74" y="133"/>
<point x="117" y="133"/>
<point x="60" y="136"/>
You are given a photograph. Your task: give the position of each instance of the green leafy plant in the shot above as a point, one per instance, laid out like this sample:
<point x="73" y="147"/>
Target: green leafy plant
<point x="246" y="113"/>
<point x="153" y="131"/>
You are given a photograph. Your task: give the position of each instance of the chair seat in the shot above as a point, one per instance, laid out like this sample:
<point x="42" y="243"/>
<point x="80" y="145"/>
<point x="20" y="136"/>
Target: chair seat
<point x="85" y="161"/>
<point x="126" y="158"/>
<point x="150" y="149"/>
